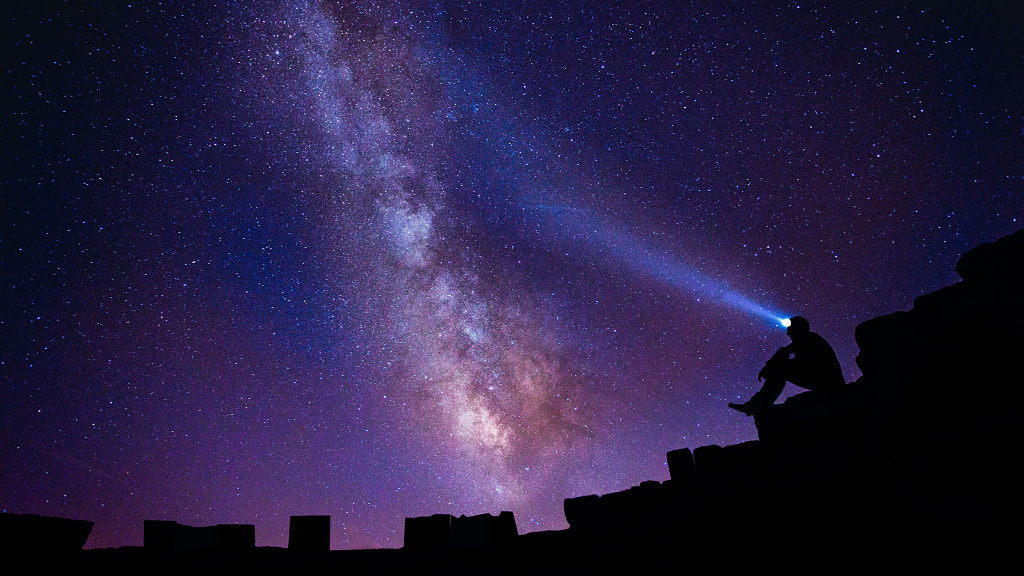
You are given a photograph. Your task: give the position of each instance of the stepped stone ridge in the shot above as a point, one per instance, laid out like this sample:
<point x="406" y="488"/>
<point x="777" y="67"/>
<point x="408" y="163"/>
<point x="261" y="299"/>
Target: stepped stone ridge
<point x="918" y="449"/>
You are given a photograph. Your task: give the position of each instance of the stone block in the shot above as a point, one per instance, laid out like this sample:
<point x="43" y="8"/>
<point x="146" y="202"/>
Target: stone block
<point x="309" y="533"/>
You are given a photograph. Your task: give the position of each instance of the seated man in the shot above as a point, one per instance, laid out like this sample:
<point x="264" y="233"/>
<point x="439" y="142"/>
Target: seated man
<point x="808" y="362"/>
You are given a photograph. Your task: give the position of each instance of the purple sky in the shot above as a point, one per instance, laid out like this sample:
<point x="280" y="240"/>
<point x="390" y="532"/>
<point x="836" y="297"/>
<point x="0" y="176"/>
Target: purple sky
<point x="378" y="260"/>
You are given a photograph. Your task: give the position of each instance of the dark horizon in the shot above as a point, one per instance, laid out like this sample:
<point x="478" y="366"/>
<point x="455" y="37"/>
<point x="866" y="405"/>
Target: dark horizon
<point x="441" y="258"/>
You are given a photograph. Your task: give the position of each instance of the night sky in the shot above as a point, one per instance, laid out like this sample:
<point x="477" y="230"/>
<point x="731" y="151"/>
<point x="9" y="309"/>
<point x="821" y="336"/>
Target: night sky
<point x="380" y="259"/>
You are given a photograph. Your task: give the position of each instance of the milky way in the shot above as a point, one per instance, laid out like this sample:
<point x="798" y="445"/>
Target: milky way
<point x="389" y="259"/>
<point x="476" y="365"/>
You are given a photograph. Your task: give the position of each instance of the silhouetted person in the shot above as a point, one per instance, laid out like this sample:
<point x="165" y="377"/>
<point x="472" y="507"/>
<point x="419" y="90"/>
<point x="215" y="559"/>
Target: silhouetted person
<point x="809" y="362"/>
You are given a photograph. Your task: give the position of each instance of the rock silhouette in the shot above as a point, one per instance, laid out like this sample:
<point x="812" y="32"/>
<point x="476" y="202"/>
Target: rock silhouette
<point x="914" y="456"/>
<point x="444" y="531"/>
<point x="309" y="533"/>
<point x="911" y="465"/>
<point x="33" y="534"/>
<point x="915" y="452"/>
<point x="167" y="536"/>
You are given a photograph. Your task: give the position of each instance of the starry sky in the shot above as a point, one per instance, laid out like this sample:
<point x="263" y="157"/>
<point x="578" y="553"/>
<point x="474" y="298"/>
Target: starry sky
<point x="381" y="259"/>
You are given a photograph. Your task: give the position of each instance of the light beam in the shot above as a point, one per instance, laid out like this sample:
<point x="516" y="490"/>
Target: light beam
<point x="603" y="237"/>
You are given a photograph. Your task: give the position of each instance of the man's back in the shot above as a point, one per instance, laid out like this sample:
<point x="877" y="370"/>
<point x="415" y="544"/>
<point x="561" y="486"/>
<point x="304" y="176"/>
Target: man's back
<point x="816" y="362"/>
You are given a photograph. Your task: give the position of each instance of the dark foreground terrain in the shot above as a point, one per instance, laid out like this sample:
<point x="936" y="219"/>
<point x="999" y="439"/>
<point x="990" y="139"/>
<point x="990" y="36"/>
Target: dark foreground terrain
<point x="913" y="466"/>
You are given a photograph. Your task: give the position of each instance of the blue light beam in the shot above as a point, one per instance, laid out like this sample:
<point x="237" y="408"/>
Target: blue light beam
<point x="602" y="237"/>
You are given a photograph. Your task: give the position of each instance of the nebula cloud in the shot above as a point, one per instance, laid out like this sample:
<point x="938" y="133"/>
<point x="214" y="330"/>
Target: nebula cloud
<point x="478" y="364"/>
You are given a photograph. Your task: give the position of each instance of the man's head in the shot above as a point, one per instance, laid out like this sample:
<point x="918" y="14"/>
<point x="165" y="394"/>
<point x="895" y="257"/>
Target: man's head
<point x="798" y="327"/>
